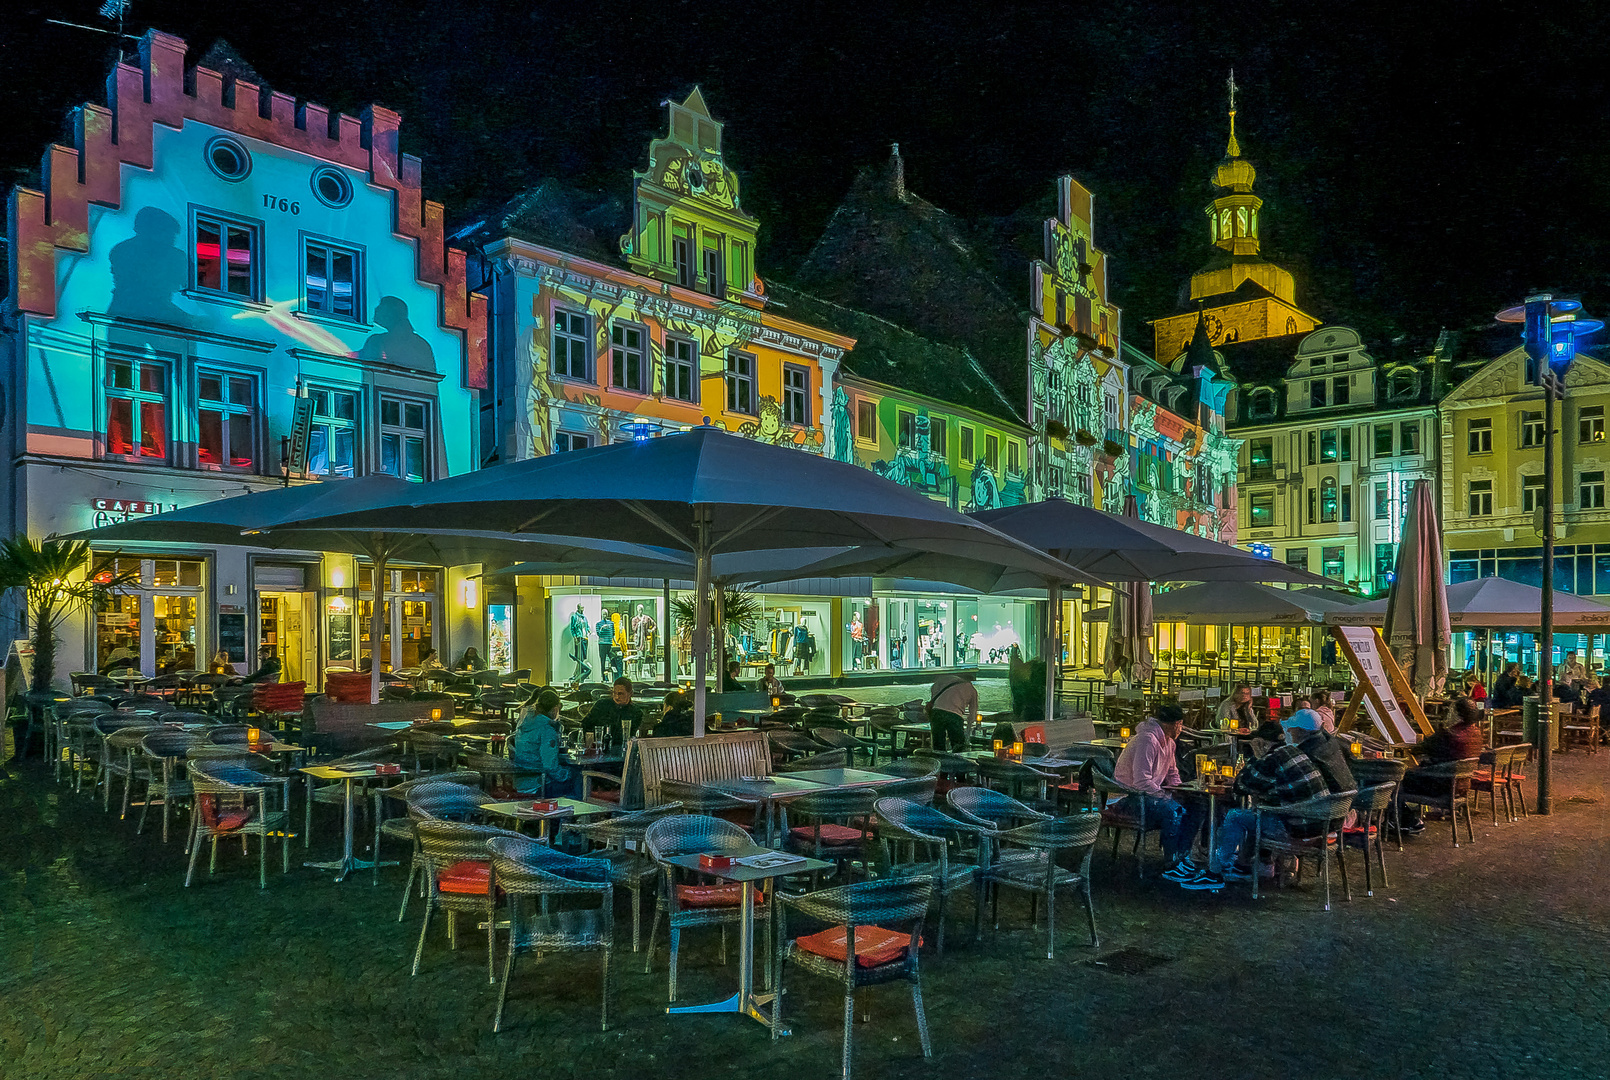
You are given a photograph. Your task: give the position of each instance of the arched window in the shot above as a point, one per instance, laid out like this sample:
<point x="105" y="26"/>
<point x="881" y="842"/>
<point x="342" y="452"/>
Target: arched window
<point x="1224" y="224"/>
<point x="1241" y="221"/>
<point x="1254" y="230"/>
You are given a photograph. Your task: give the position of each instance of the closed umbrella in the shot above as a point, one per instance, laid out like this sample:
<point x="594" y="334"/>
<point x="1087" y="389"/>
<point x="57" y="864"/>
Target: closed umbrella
<point x="1417" y="627"/>
<point x="1124" y="548"/>
<point x="1130" y="624"/>
<point x="701" y="492"/>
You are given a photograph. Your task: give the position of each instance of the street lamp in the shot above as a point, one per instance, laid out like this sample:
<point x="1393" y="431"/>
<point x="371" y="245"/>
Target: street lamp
<point x="1552" y="328"/>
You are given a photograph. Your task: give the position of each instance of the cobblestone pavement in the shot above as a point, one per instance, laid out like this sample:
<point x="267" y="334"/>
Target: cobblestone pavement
<point x="1486" y="961"/>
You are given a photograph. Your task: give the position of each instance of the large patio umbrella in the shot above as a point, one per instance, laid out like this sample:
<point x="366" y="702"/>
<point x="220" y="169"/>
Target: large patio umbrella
<point x="1116" y="548"/>
<point x="257" y="520"/>
<point x="1495" y="603"/>
<point x="1240" y="603"/>
<point x="701" y="492"/>
<point x="1417" y="627"/>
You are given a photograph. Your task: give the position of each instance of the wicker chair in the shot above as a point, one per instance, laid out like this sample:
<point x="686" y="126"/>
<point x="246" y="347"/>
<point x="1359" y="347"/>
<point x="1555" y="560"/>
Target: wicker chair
<point x="1458" y="775"/>
<point x="792" y="744"/>
<point x="910" y="767"/>
<point x="118" y="759"/>
<point x="224" y="794"/>
<point x="919" y="789"/>
<point x="458" y="878"/>
<point x="698" y="799"/>
<point x="623" y="848"/>
<point x="928" y="831"/>
<point x="831" y="759"/>
<point x="685" y="906"/>
<point x="954" y="769"/>
<point x="160" y="767"/>
<point x="1115" y="820"/>
<point x="433" y="800"/>
<point x="494" y="768"/>
<point x="1498" y="775"/>
<point x="1327" y="811"/>
<point x="402" y="828"/>
<point x="839" y="822"/>
<point x="1372" y="772"/>
<point x="1033" y="868"/>
<point x="1371" y="805"/>
<point x="836" y="739"/>
<point x="842" y="953"/>
<point x="1013" y="777"/>
<point x="526" y="870"/>
<point x="74" y="727"/>
<point x="229" y="733"/>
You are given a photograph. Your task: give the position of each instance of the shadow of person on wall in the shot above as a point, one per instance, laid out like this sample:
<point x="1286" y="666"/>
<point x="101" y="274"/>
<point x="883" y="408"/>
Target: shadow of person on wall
<point x="147" y="269"/>
<point x="398" y="344"/>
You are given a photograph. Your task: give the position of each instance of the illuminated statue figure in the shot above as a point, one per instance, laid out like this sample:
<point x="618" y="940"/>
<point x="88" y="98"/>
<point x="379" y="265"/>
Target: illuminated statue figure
<point x="843" y="437"/>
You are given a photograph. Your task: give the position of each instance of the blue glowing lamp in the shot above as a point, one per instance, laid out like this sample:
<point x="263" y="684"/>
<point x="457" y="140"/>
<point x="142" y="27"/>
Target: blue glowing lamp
<point x="1552" y="329"/>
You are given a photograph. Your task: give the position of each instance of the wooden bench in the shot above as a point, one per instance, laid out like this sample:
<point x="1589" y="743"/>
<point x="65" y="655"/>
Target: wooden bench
<point x="341" y="727"/>
<point x="721" y="756"/>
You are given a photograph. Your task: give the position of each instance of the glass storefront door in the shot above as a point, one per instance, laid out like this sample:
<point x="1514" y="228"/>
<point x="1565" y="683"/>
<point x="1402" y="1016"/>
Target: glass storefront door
<point x="156" y="625"/>
<point x="408" y="625"/>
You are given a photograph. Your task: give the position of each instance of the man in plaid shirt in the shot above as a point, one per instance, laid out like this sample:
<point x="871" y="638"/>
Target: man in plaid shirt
<point x="1285" y="775"/>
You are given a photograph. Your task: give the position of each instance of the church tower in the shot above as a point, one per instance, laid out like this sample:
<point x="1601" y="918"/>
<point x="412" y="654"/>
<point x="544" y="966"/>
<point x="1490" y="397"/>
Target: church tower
<point x="1240" y="296"/>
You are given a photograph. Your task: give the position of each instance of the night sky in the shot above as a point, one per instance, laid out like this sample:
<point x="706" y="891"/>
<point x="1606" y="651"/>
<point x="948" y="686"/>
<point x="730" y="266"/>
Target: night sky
<point x="1422" y="164"/>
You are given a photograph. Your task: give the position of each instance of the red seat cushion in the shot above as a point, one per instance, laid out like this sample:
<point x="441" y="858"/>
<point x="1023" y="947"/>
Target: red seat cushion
<point x="873" y="945"/>
<point x="730" y="895"/>
<point x="469" y="877"/>
<point x="228" y="821"/>
<point x="831" y="834"/>
<point x="611" y="795"/>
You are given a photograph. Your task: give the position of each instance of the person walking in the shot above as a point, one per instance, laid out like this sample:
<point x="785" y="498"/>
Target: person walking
<point x="952" y="700"/>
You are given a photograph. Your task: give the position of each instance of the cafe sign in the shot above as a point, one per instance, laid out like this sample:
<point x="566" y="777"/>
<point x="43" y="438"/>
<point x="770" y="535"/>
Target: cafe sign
<point x="116" y="511"/>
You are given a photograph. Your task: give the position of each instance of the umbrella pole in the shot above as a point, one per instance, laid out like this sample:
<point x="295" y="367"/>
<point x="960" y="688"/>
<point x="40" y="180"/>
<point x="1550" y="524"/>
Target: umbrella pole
<point x="665" y="632"/>
<point x="1053" y="646"/>
<point x="719" y="588"/>
<point x="701" y="615"/>
<point x="377" y="615"/>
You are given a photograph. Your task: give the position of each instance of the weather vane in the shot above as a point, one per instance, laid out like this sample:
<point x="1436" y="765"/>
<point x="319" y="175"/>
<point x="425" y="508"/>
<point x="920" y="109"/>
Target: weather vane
<point x="110" y="10"/>
<point x="1232" y="91"/>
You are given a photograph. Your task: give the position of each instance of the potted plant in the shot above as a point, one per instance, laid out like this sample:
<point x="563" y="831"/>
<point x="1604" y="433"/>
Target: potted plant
<point x="1111" y="449"/>
<point x="1085" y="438"/>
<point x="1056" y="429"/>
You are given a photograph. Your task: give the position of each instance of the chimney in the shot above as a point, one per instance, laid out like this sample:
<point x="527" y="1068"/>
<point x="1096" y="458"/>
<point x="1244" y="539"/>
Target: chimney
<point x="897" y="173"/>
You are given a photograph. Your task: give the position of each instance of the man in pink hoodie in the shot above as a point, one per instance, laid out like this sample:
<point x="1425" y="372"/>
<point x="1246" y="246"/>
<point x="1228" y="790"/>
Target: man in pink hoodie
<point x="1148" y="765"/>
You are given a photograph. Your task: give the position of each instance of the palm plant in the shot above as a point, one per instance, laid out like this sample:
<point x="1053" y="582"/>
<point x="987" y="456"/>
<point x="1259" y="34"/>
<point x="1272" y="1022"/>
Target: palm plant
<point x="740" y="609"/>
<point x="48" y="572"/>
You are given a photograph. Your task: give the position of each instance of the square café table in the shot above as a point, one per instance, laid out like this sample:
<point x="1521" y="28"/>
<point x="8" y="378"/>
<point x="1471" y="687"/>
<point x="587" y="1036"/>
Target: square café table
<point x="767" y="791"/>
<point x="567" y="808"/>
<point x="745" y="1001"/>
<point x="844" y="778"/>
<point x="346" y="864"/>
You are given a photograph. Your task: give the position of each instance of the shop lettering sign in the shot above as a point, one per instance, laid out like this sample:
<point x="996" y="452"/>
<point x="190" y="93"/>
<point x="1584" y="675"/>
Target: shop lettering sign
<point x="117" y="511"/>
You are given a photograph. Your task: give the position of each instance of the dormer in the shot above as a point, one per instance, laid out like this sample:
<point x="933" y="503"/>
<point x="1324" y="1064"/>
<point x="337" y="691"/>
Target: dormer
<point x="1330" y="371"/>
<point x="689" y="228"/>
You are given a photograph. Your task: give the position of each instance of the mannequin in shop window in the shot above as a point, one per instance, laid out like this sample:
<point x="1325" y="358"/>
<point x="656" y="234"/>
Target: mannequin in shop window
<point x="580" y="639"/>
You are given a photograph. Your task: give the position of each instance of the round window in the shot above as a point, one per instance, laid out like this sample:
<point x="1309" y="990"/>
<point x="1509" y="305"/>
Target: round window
<point x="332" y="187"/>
<point x="228" y="158"/>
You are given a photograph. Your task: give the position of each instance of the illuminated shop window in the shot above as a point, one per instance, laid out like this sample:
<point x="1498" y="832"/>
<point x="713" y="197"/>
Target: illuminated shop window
<point x="681" y="369"/>
<point x="333" y="438"/>
<point x="226" y="420"/>
<point x="403" y="433"/>
<point x="226" y="257"/>
<point x="796" y="394"/>
<point x="571" y="345"/>
<point x="330" y="279"/>
<point x="137" y="408"/>
<point x="741" y="383"/>
<point x="627" y="361"/>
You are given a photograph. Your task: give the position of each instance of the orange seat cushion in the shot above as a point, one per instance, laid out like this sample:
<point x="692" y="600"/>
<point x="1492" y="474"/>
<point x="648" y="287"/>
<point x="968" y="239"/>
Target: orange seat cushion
<point x="831" y="834"/>
<point x="469" y="878"/>
<point x="873" y="945"/>
<point x="730" y="895"/>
